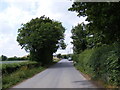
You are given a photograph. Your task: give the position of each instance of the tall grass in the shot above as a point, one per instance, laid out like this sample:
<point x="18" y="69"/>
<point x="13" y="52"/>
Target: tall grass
<point x="20" y="75"/>
<point x="17" y="72"/>
<point x="11" y="67"/>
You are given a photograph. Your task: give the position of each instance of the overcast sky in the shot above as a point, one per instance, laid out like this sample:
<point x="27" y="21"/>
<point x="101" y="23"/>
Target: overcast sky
<point x="15" y="12"/>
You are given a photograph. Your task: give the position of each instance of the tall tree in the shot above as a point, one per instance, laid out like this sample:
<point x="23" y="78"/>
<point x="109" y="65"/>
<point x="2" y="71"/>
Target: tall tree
<point x="41" y="37"/>
<point x="79" y="38"/>
<point x="3" y="58"/>
<point x="103" y="17"/>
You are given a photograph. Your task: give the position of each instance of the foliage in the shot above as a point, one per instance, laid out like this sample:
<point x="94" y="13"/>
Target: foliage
<point x="17" y="58"/>
<point x="17" y="72"/>
<point x="103" y="19"/>
<point x="79" y="38"/>
<point x="23" y="73"/>
<point x="69" y="55"/>
<point x="11" y="67"/>
<point x="84" y="39"/>
<point x="64" y="56"/>
<point x="101" y="63"/>
<point x="41" y="37"/>
<point x="3" y="58"/>
<point x="59" y="56"/>
<point x="101" y="35"/>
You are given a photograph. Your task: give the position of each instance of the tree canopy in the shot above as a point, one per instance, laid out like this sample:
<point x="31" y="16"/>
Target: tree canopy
<point x="41" y="37"/>
<point x="3" y="58"/>
<point x="103" y="27"/>
<point x="102" y="17"/>
<point x="79" y="38"/>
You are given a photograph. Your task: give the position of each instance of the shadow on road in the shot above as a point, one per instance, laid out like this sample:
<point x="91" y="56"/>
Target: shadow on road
<point x="88" y="84"/>
<point x="84" y="82"/>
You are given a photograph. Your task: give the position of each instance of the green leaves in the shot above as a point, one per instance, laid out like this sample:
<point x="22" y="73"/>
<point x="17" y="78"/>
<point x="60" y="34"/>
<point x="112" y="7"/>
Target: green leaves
<point x="41" y="35"/>
<point x="78" y="36"/>
<point x="103" y="17"/>
<point x="102" y="32"/>
<point x="3" y="58"/>
<point x="101" y="63"/>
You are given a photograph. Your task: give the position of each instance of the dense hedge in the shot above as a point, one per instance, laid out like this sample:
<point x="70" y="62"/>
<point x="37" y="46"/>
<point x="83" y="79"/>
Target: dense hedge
<point x="101" y="63"/>
<point x="11" y="67"/>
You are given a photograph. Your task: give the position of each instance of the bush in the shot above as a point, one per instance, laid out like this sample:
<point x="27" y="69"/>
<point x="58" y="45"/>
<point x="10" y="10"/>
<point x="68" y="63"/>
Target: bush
<point x="101" y="63"/>
<point x="11" y="67"/>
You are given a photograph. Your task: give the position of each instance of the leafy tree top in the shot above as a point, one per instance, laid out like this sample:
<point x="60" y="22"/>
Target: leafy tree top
<point x="41" y="33"/>
<point x="103" y="17"/>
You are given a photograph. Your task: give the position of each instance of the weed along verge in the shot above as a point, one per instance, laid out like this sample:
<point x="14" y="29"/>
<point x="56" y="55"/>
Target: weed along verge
<point x="17" y="72"/>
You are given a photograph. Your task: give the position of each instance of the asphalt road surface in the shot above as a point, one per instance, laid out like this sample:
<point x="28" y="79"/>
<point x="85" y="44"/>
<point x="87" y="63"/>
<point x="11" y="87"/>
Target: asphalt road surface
<point x="61" y="75"/>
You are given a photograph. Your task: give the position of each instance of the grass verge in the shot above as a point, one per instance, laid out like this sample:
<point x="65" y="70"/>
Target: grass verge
<point x="21" y="74"/>
<point x="18" y="76"/>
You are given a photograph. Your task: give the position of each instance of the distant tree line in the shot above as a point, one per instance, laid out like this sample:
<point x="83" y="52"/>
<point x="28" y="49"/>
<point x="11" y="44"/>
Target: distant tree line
<point x="5" y="58"/>
<point x="64" y="56"/>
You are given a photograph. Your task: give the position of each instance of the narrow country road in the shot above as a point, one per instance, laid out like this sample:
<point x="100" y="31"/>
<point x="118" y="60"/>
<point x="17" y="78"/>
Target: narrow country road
<point x="61" y="75"/>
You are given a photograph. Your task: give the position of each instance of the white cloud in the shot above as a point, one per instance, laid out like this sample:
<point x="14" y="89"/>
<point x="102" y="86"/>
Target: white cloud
<point x="22" y="11"/>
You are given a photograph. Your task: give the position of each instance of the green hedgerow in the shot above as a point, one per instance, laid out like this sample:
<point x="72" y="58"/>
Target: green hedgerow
<point x="102" y="63"/>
